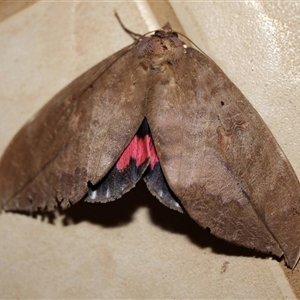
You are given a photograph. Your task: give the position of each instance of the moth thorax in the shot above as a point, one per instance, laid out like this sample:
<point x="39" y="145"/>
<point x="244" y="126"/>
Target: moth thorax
<point x="161" y="50"/>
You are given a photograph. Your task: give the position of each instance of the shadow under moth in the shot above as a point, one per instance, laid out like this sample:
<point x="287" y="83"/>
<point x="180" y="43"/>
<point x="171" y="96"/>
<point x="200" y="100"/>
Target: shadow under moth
<point x="166" y="112"/>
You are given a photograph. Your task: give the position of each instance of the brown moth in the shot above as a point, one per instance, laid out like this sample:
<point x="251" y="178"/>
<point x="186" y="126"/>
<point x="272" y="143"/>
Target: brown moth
<point x="173" y="118"/>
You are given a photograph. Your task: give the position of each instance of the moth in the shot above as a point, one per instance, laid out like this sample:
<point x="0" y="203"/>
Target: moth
<point x="166" y="112"/>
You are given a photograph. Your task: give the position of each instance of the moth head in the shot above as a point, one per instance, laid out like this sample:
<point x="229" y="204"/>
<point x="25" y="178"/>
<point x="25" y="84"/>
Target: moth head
<point x="161" y="48"/>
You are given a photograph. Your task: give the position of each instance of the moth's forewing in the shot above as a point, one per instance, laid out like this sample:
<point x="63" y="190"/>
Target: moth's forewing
<point x="221" y="160"/>
<point x="75" y="138"/>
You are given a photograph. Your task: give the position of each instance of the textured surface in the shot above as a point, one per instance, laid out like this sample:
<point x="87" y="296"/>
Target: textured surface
<point x="70" y="135"/>
<point x="106" y="259"/>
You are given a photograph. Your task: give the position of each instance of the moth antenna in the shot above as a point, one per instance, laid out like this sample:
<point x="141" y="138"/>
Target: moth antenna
<point x="134" y="35"/>
<point x="167" y="27"/>
<point x="193" y="44"/>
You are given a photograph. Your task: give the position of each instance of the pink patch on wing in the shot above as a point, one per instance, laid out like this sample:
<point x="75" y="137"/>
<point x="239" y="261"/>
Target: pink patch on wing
<point x="139" y="149"/>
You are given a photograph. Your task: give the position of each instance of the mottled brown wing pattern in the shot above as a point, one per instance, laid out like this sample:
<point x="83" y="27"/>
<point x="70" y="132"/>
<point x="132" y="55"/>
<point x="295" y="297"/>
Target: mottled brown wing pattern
<point x="75" y="138"/>
<point x="221" y="160"/>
